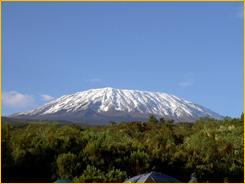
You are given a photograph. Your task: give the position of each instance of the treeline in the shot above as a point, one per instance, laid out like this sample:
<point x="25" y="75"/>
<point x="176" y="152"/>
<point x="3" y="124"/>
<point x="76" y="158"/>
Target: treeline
<point x="44" y="152"/>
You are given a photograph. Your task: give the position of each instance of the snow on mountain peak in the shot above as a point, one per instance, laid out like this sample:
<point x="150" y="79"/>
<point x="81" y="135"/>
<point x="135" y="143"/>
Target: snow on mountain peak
<point x="110" y="104"/>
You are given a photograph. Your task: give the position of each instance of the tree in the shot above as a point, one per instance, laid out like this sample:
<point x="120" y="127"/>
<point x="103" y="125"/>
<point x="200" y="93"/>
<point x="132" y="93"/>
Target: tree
<point x="90" y="174"/>
<point x="7" y="158"/>
<point x="43" y="152"/>
<point x="66" y="165"/>
<point x="162" y="120"/>
<point x="152" y="120"/>
<point x="242" y="116"/>
<point x="139" y="161"/>
<point x="115" y="176"/>
<point x="171" y="121"/>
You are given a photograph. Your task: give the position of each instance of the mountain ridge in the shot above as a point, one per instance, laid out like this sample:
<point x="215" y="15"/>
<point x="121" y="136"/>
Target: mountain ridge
<point x="103" y="105"/>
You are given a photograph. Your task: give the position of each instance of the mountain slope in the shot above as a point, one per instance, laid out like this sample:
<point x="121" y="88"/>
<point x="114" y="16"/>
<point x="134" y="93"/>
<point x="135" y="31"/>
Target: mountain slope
<point x="109" y="104"/>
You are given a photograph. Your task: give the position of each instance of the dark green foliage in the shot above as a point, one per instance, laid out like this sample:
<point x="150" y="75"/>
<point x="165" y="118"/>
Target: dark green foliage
<point x="44" y="152"/>
<point x="93" y="174"/>
<point x="66" y="165"/>
<point x="162" y="120"/>
<point x="152" y="120"/>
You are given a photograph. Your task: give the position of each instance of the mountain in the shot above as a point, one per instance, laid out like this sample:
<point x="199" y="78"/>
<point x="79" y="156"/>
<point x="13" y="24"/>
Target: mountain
<point x="103" y="105"/>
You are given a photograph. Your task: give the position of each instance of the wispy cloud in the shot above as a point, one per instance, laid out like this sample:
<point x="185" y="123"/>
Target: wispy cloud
<point x="94" y="80"/>
<point x="188" y="80"/>
<point x="15" y="99"/>
<point x="185" y="84"/>
<point x="46" y="97"/>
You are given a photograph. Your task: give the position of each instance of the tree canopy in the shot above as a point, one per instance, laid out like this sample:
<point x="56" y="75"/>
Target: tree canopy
<point x="45" y="152"/>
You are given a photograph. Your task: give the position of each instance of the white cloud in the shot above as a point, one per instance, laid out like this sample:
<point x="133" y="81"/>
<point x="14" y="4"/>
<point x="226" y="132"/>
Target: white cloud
<point x="185" y="84"/>
<point x="47" y="97"/>
<point x="94" y="80"/>
<point x="15" y="99"/>
<point x="188" y="80"/>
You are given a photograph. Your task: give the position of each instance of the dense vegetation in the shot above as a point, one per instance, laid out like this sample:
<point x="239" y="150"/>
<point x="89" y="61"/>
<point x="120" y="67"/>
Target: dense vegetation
<point x="44" y="152"/>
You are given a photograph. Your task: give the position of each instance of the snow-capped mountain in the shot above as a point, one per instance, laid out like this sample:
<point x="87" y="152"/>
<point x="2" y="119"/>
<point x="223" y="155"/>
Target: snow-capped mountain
<point x="109" y="104"/>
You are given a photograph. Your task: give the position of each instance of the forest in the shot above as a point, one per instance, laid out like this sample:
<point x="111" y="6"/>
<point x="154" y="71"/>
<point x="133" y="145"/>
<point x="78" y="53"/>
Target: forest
<point x="42" y="151"/>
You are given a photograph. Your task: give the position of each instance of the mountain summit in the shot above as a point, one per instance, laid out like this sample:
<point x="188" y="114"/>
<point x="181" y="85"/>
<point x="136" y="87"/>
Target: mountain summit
<point x="103" y="105"/>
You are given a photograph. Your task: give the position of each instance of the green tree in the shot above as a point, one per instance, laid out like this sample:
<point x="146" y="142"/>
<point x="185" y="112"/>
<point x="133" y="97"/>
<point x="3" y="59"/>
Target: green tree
<point x="152" y="119"/>
<point x="91" y="174"/>
<point x="242" y="116"/>
<point x="139" y="161"/>
<point x="115" y="176"/>
<point x="171" y="121"/>
<point x="43" y="152"/>
<point x="66" y="165"/>
<point x="162" y="120"/>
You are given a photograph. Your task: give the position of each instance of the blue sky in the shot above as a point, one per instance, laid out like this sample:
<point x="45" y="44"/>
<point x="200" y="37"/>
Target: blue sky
<point x="191" y="50"/>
